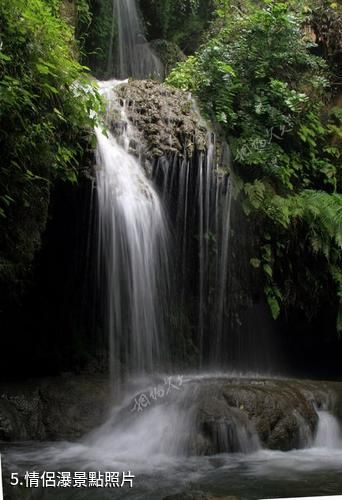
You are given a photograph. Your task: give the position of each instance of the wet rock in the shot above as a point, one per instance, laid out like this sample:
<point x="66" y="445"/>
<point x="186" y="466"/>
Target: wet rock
<point x="337" y="399"/>
<point x="277" y="412"/>
<point x="20" y="415"/>
<point x="220" y="428"/>
<point x="72" y="406"/>
<point x="10" y="423"/>
<point x="166" y="118"/>
<point x="227" y="414"/>
<point x="51" y="409"/>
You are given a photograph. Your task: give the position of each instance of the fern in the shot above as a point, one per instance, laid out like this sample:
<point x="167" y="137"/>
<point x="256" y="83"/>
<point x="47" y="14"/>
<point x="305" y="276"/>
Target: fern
<point x="323" y="214"/>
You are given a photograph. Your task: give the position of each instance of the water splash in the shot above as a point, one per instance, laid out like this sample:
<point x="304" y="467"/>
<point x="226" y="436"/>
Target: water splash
<point x="328" y="432"/>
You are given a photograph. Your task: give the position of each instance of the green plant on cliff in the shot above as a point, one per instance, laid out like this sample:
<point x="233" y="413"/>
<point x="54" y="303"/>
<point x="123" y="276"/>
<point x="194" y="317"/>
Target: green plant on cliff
<point x="98" y="33"/>
<point x="46" y="100"/>
<point x="257" y="77"/>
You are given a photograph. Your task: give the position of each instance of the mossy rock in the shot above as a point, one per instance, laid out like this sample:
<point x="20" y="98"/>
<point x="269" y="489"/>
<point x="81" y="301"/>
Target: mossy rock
<point x="168" y="52"/>
<point x="166" y="118"/>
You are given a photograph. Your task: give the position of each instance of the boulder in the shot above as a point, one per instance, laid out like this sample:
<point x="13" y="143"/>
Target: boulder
<point x="235" y="413"/>
<point x="65" y="407"/>
<point x="166" y="118"/>
<point x="242" y="415"/>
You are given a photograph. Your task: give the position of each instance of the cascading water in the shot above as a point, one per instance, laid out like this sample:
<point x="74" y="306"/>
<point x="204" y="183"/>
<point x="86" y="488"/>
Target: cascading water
<point x="214" y="199"/>
<point x="134" y="56"/>
<point x="204" y="201"/>
<point x="203" y="197"/>
<point x="133" y="251"/>
<point x="329" y="433"/>
<point x="214" y="270"/>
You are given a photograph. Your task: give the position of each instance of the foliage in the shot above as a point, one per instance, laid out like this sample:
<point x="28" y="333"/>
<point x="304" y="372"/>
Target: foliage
<point x="46" y="100"/>
<point x="83" y="21"/>
<point x="257" y="77"/>
<point x="96" y="32"/>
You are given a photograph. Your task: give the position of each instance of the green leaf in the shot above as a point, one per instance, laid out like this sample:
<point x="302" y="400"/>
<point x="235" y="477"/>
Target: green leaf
<point x="255" y="263"/>
<point x="268" y="270"/>
<point x="274" y="306"/>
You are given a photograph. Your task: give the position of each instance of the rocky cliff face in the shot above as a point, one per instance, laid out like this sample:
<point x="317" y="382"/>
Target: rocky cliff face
<point x="166" y="118"/>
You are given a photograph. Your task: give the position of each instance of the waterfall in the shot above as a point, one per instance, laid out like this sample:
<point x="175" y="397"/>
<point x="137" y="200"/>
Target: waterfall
<point x="329" y="432"/>
<point x="134" y="56"/>
<point x="212" y="312"/>
<point x="214" y="201"/>
<point x="133" y="251"/>
<point x="203" y="200"/>
<point x="133" y="246"/>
